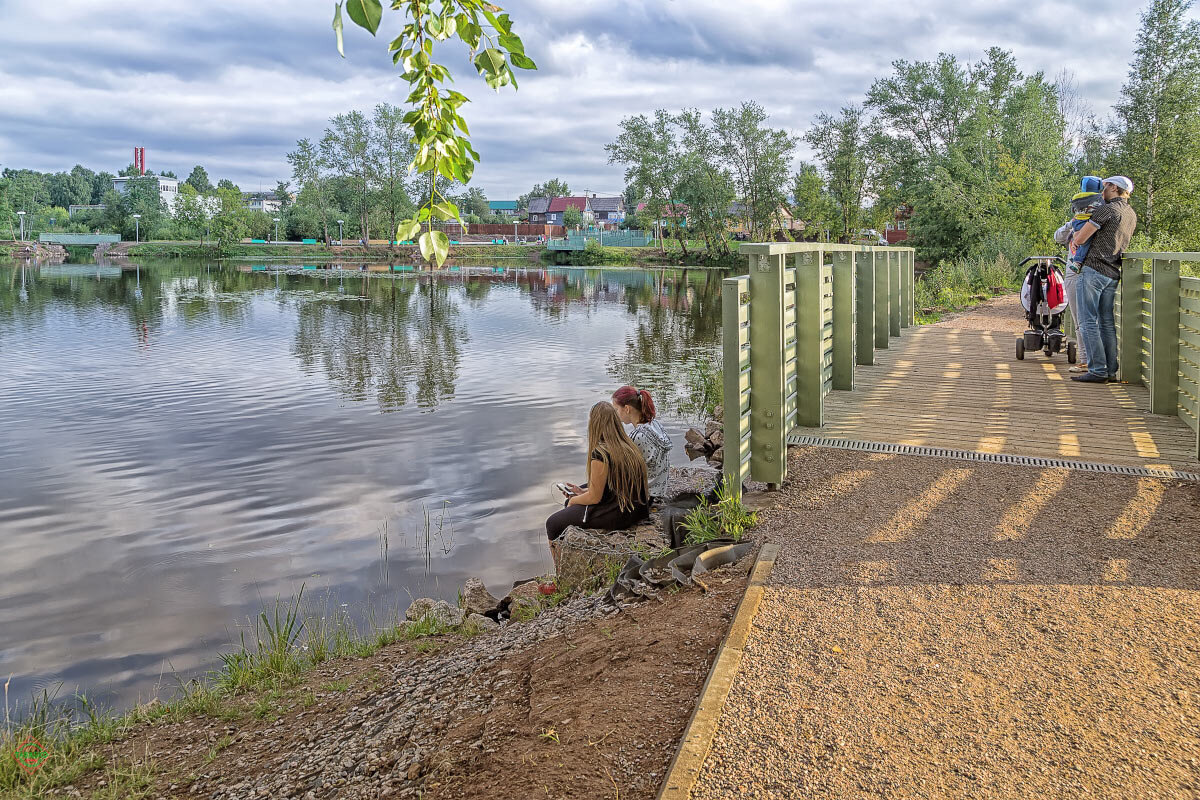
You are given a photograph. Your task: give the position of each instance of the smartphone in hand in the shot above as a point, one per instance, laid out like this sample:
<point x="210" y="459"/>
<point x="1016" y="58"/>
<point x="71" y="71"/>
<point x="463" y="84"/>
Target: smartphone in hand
<point x="566" y="490"/>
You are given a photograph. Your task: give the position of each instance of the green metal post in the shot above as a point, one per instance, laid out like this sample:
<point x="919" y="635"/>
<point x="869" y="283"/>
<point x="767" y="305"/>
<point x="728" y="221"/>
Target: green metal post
<point x="767" y="435"/>
<point x="894" y="293"/>
<point x="732" y="317"/>
<point x="1129" y="334"/>
<point x="1164" y="337"/>
<point x="883" y="295"/>
<point x="912" y="286"/>
<point x="810" y="330"/>
<point x="843" y="320"/>
<point x="906" y="288"/>
<point x="864" y="270"/>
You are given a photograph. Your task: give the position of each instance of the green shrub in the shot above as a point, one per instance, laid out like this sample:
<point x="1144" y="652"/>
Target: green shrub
<point x="727" y="518"/>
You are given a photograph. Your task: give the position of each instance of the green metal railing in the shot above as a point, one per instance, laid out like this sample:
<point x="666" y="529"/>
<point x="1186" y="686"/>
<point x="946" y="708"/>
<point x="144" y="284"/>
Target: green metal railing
<point x="1158" y="332"/>
<point x="793" y="330"/>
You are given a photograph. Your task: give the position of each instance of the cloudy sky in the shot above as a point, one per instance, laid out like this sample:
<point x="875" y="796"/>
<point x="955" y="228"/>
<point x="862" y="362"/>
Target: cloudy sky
<point x="232" y="84"/>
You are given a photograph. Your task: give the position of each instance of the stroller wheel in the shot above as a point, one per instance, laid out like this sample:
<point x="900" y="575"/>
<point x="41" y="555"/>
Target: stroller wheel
<point x="1020" y="349"/>
<point x="1072" y="353"/>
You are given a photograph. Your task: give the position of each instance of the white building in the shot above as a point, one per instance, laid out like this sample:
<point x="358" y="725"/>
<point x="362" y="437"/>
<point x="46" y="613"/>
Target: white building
<point x="266" y="202"/>
<point x="168" y="189"/>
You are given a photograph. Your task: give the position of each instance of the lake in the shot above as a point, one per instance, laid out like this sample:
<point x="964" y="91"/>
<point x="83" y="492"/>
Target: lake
<point x="184" y="442"/>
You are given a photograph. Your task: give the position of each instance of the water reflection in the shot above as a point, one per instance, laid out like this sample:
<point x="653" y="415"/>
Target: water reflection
<point x="182" y="440"/>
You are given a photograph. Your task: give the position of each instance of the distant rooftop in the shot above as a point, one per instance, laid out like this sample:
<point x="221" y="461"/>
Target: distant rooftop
<point x="539" y="205"/>
<point x="502" y="205"/>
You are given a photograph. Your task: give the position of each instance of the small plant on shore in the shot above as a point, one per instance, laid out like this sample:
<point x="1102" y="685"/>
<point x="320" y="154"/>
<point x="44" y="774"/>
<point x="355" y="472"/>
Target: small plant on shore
<point x="728" y="518"/>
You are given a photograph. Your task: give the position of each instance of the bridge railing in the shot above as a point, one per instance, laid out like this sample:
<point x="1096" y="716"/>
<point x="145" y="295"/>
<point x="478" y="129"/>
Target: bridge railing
<point x="793" y="330"/>
<point x="1158" y="332"/>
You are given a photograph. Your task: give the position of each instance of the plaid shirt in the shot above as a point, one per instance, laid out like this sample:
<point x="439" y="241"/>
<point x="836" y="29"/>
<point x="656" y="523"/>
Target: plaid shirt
<point x="1117" y="222"/>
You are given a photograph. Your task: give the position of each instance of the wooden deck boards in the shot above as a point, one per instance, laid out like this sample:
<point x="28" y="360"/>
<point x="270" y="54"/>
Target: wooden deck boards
<point x="964" y="389"/>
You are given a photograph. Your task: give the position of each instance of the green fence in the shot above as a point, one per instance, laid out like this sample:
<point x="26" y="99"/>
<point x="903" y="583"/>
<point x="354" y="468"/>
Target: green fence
<point x="793" y="330"/>
<point x="79" y="238"/>
<point x="1158" y="330"/>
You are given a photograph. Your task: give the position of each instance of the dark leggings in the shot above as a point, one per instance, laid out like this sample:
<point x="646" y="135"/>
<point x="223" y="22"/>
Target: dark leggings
<point x="602" y="516"/>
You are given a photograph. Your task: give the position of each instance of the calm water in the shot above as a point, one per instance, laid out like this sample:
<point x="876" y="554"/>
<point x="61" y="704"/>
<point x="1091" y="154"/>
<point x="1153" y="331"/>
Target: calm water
<point x="180" y="443"/>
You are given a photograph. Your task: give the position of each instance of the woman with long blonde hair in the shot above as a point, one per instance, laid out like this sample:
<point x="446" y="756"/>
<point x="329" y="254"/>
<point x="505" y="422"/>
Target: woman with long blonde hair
<point x="615" y="495"/>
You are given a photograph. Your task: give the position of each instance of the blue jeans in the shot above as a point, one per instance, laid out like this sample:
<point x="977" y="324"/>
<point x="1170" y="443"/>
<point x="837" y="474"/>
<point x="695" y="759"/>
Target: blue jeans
<point x="1071" y="283"/>
<point x="1099" y="328"/>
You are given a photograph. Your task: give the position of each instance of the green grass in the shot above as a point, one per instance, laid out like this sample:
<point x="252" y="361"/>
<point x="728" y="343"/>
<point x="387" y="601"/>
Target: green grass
<point x="727" y="518"/>
<point x="269" y="656"/>
<point x="963" y="283"/>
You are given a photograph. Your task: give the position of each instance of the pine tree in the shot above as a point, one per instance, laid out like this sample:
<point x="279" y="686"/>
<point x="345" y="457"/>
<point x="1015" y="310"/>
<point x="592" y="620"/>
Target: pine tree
<point x="1157" y="132"/>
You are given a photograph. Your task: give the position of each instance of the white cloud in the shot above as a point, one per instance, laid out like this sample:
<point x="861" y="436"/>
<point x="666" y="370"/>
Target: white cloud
<point x="217" y="83"/>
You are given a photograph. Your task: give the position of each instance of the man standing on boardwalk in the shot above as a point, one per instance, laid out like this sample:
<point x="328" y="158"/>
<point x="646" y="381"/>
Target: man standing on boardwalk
<point x="1110" y="229"/>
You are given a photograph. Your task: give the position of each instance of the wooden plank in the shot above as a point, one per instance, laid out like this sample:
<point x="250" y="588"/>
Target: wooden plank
<point x="1164" y="336"/>
<point x="766" y="368"/>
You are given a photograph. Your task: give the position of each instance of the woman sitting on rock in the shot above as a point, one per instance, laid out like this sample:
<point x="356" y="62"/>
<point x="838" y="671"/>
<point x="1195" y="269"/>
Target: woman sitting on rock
<point x="635" y="407"/>
<point x="615" y="495"/>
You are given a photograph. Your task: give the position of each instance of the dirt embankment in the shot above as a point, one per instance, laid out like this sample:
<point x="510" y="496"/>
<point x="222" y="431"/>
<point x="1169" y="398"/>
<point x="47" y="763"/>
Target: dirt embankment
<point x="580" y="702"/>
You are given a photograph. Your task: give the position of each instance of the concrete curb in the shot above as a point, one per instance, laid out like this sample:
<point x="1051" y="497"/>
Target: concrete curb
<point x="702" y="727"/>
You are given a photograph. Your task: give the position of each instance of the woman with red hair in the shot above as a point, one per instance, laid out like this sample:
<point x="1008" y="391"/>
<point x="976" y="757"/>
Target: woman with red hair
<point x="635" y="407"/>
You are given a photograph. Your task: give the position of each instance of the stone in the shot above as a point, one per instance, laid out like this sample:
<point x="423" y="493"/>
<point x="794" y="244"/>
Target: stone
<point x="711" y="428"/>
<point x="717" y="440"/>
<point x="693" y="436"/>
<point x="718" y="456"/>
<point x="526" y="595"/>
<point x="719" y="412"/>
<point x="588" y="557"/>
<point x="439" y="611"/>
<point x="481" y="623"/>
<point x="695" y="451"/>
<point x="476" y="599"/>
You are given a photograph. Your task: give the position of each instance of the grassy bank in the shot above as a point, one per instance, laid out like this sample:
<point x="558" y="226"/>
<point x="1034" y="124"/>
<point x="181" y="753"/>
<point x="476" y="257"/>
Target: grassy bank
<point x="321" y="254"/>
<point x="954" y="286"/>
<point x="256" y="679"/>
<point x="672" y="256"/>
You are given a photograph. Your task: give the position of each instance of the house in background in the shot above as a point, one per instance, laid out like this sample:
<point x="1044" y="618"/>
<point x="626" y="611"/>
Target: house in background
<point x="168" y="189"/>
<point x="609" y="211"/>
<point x="897" y="229"/>
<point x="784" y="220"/>
<point x="265" y="202"/>
<point x="559" y="206"/>
<point x="669" y="219"/>
<point x="505" y="208"/>
<point x="538" y="207"/>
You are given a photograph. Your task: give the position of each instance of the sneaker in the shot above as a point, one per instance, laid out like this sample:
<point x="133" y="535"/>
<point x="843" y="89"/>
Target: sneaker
<point x="1089" y="378"/>
<point x="1078" y="368"/>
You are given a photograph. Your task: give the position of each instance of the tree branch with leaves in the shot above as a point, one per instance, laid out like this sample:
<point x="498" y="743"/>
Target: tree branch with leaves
<point x="439" y="131"/>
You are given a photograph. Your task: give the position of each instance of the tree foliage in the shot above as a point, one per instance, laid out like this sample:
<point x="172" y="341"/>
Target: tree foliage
<point x="1156" y="137"/>
<point x="440" y="133"/>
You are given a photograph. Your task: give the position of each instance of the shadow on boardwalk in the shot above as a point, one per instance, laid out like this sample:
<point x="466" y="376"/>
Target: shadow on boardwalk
<point x="936" y="628"/>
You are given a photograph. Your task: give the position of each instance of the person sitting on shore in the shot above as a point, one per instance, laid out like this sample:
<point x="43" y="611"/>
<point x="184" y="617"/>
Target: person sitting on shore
<point x="635" y="407"/>
<point x="615" y="495"/>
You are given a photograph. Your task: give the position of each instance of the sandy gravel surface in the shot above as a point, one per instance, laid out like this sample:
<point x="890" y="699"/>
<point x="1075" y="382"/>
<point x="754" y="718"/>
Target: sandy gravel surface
<point x="1002" y="313"/>
<point x="938" y="628"/>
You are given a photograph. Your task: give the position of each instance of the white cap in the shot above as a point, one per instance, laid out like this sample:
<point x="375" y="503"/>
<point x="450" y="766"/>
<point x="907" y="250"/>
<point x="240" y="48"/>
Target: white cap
<point x="1121" y="182"/>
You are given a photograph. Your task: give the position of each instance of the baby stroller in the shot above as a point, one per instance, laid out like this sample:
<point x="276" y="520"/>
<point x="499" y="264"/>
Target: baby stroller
<point x="1044" y="299"/>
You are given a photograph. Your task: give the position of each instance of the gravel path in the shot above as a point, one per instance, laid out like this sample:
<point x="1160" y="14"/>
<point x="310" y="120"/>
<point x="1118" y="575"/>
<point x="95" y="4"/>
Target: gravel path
<point x="936" y="628"/>
<point x="1001" y="313"/>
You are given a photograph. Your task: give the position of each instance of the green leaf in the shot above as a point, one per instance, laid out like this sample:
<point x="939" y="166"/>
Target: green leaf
<point x="426" y="243"/>
<point x="512" y="43"/>
<point x="441" y="247"/>
<point x="407" y="229"/>
<point x="496" y="57"/>
<point x="365" y="13"/>
<point x="337" y="28"/>
<point x="521" y="61"/>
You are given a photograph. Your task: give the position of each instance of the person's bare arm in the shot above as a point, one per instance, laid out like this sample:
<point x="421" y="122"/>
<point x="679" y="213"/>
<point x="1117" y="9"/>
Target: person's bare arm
<point x="597" y="478"/>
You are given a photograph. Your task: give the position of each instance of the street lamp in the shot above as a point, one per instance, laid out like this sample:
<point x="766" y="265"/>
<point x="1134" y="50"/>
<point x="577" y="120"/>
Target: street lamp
<point x="137" y="226"/>
<point x="277" y="229"/>
<point x="21" y="214"/>
<point x="340" y="231"/>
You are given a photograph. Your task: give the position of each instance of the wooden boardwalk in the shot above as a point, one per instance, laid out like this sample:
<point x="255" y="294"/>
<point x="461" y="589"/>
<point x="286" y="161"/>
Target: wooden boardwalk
<point x="961" y="387"/>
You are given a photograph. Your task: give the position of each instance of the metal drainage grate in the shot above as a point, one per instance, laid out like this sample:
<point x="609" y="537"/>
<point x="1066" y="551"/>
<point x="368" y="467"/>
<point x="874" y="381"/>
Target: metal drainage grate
<point x="989" y="458"/>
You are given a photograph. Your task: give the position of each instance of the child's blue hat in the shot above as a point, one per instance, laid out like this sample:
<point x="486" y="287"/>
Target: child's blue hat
<point x="1090" y="183"/>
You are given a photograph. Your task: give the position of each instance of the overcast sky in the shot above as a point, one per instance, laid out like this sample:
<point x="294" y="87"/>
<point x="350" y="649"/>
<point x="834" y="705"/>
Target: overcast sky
<point x="232" y="84"/>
